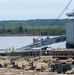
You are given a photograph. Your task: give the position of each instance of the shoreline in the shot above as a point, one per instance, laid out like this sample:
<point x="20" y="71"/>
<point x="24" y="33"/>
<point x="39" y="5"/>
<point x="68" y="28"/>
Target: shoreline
<point x="15" y="35"/>
<point x="23" y="35"/>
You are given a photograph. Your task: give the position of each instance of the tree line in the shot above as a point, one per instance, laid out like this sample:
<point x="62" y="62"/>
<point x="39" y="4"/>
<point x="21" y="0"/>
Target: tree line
<point x="33" y="30"/>
<point x="36" y="22"/>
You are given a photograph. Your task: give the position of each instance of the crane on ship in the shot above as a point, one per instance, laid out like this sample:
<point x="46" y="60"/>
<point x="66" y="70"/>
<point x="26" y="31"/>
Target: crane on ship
<point x="70" y="14"/>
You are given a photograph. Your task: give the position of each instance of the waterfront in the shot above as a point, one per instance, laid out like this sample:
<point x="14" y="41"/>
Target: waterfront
<point x="20" y="41"/>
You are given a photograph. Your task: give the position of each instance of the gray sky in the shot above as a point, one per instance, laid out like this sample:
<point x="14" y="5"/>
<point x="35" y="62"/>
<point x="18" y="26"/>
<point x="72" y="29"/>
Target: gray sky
<point x="32" y="9"/>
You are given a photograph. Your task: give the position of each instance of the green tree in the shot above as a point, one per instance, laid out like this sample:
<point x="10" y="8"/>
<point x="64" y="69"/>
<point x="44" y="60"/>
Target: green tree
<point x="12" y="53"/>
<point x="20" y="29"/>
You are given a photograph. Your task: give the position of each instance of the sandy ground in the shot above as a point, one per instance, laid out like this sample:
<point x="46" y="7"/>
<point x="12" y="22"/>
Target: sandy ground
<point x="5" y="71"/>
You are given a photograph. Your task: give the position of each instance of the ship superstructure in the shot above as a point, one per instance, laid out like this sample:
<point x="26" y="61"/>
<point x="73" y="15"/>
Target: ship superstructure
<point x="70" y="30"/>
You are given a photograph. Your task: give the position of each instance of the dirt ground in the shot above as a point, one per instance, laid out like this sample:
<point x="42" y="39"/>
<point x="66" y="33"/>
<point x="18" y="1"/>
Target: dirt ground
<point x="8" y="71"/>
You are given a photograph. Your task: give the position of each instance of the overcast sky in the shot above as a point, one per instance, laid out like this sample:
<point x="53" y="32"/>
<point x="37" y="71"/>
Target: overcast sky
<point x="32" y="9"/>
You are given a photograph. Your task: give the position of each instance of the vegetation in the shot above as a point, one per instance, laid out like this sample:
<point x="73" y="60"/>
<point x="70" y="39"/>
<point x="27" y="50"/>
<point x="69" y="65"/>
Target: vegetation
<point x="33" y="27"/>
<point x="33" y="30"/>
<point x="12" y="53"/>
<point x="36" y="22"/>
